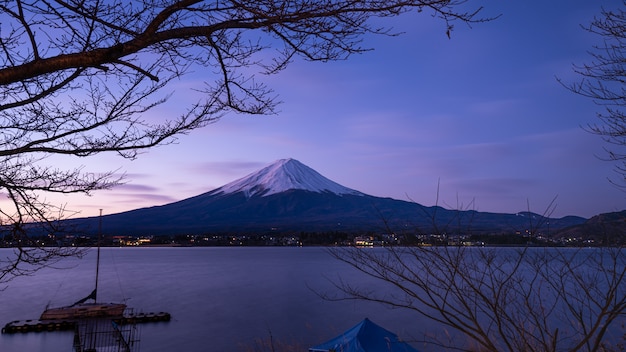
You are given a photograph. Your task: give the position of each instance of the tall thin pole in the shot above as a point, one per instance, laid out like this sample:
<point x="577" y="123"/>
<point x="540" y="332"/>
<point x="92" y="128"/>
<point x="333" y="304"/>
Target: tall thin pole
<point x="98" y="257"/>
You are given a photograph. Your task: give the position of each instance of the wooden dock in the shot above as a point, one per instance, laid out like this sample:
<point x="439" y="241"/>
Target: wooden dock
<point x="24" y="326"/>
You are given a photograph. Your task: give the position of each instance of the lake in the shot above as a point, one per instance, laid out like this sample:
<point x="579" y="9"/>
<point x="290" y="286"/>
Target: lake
<point x="220" y="298"/>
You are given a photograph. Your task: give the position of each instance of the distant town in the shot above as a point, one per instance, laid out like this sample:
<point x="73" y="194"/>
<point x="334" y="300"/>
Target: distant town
<point x="305" y="239"/>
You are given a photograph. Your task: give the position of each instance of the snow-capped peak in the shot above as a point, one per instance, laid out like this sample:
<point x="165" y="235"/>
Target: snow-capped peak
<point x="281" y="176"/>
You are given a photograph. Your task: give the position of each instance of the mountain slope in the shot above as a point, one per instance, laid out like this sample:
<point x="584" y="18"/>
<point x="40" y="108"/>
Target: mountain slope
<point x="281" y="176"/>
<point x="289" y="196"/>
<point x="607" y="229"/>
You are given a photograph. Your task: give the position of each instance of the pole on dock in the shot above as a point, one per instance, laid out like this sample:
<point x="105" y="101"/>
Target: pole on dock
<point x="95" y="296"/>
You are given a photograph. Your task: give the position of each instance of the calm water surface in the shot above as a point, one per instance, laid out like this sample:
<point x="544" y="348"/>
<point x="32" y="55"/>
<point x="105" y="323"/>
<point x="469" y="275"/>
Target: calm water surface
<point x="221" y="299"/>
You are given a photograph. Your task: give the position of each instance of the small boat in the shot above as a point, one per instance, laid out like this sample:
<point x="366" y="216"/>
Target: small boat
<point x="81" y="309"/>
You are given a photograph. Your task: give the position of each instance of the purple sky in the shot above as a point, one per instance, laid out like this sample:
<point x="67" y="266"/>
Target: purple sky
<point x="481" y="113"/>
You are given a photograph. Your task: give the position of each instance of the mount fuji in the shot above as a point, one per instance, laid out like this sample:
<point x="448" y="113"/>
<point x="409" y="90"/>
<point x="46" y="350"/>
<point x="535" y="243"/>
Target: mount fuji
<point x="282" y="176"/>
<point x="289" y="196"/>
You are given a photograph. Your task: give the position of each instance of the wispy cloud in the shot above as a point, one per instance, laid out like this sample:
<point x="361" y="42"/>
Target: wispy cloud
<point x="142" y="198"/>
<point x="225" y="169"/>
<point x="135" y="187"/>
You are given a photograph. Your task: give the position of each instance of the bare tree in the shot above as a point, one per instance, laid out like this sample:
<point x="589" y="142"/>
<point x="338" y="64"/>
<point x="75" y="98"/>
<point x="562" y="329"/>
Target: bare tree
<point x="524" y="299"/>
<point x="500" y="299"/>
<point x="603" y="81"/>
<point x="77" y="78"/>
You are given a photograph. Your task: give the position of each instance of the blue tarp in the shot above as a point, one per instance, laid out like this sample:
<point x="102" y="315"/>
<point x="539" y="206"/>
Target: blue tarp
<point x="364" y="337"/>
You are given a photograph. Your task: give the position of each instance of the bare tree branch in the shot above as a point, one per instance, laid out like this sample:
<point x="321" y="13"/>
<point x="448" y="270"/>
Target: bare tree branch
<point x="499" y="299"/>
<point x="81" y="77"/>
<point x="602" y="81"/>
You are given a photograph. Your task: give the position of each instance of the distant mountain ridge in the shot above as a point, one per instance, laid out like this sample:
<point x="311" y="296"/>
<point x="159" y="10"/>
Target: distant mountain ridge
<point x="606" y="228"/>
<point x="289" y="196"/>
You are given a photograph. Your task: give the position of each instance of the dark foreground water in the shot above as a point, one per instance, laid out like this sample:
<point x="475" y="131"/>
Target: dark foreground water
<point x="221" y="299"/>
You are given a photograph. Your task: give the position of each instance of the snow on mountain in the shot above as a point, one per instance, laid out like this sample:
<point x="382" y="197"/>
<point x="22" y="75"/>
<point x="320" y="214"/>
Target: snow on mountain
<point x="281" y="176"/>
